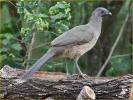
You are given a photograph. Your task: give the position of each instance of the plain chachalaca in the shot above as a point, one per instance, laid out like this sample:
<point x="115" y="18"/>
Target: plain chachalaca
<point x="74" y="42"/>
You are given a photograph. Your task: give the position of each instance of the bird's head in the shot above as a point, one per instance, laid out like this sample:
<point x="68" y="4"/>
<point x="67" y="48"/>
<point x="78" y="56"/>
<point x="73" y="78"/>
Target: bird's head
<point x="101" y="12"/>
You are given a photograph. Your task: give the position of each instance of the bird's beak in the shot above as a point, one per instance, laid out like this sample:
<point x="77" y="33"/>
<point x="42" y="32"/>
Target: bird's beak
<point x="109" y="13"/>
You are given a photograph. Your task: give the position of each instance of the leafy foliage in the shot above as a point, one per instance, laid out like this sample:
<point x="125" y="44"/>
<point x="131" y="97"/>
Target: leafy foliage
<point x="10" y="49"/>
<point x="55" y="18"/>
<point x="119" y="66"/>
<point x="38" y="17"/>
<point x="41" y="21"/>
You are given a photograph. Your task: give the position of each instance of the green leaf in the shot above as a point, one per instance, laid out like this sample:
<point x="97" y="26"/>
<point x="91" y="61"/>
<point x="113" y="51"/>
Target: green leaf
<point x="2" y="58"/>
<point x="5" y="41"/>
<point x="119" y="66"/>
<point x="16" y="47"/>
<point x="5" y="18"/>
<point x="58" y="16"/>
<point x="4" y="49"/>
<point x="41" y="15"/>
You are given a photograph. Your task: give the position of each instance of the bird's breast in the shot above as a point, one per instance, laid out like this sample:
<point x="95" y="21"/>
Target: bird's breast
<point x="78" y="50"/>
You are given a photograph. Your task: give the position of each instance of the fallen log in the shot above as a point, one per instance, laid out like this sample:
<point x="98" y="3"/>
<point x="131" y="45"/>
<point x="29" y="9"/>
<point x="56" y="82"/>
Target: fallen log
<point x="60" y="86"/>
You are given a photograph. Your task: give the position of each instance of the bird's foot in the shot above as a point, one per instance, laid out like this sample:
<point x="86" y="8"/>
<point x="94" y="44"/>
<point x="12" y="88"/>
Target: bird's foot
<point x="83" y="75"/>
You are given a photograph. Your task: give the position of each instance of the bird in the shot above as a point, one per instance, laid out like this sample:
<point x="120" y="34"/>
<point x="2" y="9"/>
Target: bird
<point x="73" y="43"/>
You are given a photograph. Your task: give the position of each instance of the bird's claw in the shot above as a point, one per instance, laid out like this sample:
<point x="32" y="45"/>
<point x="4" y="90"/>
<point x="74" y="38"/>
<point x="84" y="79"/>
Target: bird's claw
<point x="83" y="75"/>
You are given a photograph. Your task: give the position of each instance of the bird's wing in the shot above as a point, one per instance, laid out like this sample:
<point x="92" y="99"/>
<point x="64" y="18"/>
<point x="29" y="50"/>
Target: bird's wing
<point x="78" y="35"/>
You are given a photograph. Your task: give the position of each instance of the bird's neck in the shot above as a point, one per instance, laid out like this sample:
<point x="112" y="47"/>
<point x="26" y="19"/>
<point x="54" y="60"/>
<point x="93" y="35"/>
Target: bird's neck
<point x="96" y="22"/>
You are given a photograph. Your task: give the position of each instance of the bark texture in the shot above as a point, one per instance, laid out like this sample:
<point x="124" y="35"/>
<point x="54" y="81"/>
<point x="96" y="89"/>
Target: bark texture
<point x="60" y="86"/>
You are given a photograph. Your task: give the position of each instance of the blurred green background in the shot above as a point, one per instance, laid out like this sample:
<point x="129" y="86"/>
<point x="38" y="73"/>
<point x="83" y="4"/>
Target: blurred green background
<point x="28" y="26"/>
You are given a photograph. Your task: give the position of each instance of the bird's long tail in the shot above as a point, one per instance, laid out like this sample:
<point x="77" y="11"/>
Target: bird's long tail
<point x="38" y="64"/>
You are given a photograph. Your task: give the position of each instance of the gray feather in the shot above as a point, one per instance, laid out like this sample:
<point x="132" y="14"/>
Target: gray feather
<point x="77" y="35"/>
<point x="38" y="64"/>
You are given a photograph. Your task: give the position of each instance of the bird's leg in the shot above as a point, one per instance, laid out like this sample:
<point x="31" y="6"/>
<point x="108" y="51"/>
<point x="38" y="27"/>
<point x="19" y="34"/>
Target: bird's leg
<point x="74" y="68"/>
<point x="66" y="67"/>
<point x="76" y="63"/>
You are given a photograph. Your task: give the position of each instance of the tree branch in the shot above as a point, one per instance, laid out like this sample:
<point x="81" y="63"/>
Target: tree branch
<point x="29" y="52"/>
<point x="60" y="86"/>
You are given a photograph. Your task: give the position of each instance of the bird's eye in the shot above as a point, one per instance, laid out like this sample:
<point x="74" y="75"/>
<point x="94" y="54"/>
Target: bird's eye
<point x="102" y="11"/>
